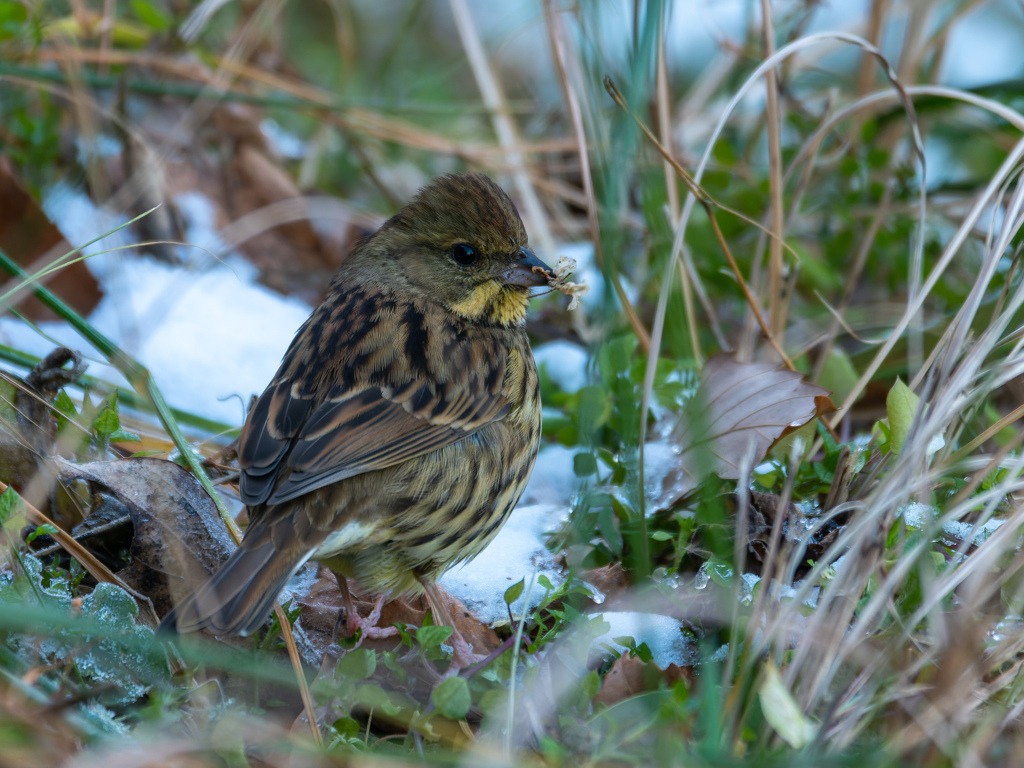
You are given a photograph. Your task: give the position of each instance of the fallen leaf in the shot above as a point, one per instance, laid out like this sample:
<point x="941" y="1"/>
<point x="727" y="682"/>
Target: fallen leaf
<point x="674" y="673"/>
<point x="736" y="406"/>
<point x="624" y="680"/>
<point x="179" y="537"/>
<point x="32" y="240"/>
<point x="630" y="676"/>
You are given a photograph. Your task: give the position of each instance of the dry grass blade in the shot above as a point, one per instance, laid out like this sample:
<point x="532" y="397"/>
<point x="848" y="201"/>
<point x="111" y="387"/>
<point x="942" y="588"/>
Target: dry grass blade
<point x="672" y="191"/>
<point x="773" y="121"/>
<point x="300" y="678"/>
<point x="505" y="129"/>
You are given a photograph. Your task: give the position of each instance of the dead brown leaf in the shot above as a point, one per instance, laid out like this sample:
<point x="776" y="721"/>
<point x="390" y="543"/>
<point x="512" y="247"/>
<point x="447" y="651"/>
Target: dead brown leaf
<point x="630" y="676"/>
<point x="624" y="680"/>
<point x="179" y="537"/>
<point x="673" y="673"/>
<point x="739" y="407"/>
<point x="31" y="239"/>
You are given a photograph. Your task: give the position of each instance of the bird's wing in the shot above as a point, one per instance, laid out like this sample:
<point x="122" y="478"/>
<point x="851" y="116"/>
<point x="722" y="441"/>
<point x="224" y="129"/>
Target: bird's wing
<point x="293" y="444"/>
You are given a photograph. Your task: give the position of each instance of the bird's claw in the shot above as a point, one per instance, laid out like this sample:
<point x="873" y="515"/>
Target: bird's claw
<point x="354" y="623"/>
<point x="463" y="656"/>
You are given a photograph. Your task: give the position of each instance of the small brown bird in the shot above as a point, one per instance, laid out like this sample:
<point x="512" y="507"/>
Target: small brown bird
<point x="403" y="424"/>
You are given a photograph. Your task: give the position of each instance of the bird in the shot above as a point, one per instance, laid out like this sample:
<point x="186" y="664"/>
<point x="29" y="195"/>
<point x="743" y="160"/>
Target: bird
<point x="403" y="423"/>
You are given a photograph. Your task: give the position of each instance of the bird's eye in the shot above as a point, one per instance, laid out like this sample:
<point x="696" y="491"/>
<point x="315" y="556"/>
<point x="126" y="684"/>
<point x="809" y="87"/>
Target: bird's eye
<point x="464" y="254"/>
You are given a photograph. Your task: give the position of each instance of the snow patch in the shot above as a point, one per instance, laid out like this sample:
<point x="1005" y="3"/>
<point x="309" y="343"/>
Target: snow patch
<point x="564" y="362"/>
<point x="553" y="480"/>
<point x="663" y="635"/>
<point x="514" y="554"/>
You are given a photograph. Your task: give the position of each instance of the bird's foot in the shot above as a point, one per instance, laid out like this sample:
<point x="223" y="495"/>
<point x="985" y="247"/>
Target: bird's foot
<point x="463" y="655"/>
<point x="369" y="624"/>
<point x="353" y="623"/>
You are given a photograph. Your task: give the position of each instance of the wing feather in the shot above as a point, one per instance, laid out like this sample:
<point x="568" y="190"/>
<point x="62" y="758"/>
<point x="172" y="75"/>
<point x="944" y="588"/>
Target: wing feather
<point x="297" y="440"/>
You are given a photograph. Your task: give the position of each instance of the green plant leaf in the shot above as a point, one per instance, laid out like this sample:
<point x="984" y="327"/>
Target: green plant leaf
<point x="900" y="406"/>
<point x="373" y="696"/>
<point x="643" y="652"/>
<point x="584" y="464"/>
<point x="123" y="436"/>
<point x="432" y="637"/>
<point x="347" y="728"/>
<point x="151" y="16"/>
<point x="358" y="664"/>
<point x="512" y="593"/>
<point x="8" y="393"/>
<point x="10" y="505"/>
<point x="838" y="375"/>
<point x="45" y="529"/>
<point x="782" y="712"/>
<point x="452" y="698"/>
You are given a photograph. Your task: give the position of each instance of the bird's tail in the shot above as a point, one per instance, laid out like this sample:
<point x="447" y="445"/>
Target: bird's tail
<point x="238" y="598"/>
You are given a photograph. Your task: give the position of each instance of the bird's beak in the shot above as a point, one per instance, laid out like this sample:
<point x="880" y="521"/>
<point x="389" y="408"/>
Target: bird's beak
<point x="527" y="271"/>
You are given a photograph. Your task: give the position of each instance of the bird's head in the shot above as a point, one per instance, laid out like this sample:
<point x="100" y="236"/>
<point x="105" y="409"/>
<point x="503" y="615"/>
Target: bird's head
<point x="461" y="242"/>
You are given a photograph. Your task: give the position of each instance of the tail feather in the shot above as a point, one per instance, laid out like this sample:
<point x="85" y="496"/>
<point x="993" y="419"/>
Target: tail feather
<point x="238" y="598"/>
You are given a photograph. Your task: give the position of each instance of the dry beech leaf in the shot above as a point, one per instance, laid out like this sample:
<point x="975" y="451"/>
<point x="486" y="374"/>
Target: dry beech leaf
<point x="32" y="240"/>
<point x="179" y="537"/>
<point x="630" y="676"/>
<point x="736" y="405"/>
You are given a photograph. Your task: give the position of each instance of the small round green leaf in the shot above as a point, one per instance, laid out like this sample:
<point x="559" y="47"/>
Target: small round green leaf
<point x="432" y="637"/>
<point x="451" y="698"/>
<point x="512" y="593"/>
<point x="358" y="664"/>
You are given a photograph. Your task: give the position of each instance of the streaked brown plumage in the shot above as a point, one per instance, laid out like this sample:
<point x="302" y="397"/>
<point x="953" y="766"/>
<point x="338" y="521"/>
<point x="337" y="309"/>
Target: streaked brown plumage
<point x="403" y="423"/>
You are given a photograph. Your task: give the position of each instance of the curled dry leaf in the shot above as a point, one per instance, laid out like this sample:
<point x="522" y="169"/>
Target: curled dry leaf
<point x="179" y="536"/>
<point x="740" y="408"/>
<point x="559" y="280"/>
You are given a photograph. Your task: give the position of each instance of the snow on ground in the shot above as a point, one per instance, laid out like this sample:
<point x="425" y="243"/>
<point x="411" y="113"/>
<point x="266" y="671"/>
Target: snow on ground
<point x="517" y="552"/>
<point x="205" y="336"/>
<point x="209" y="334"/>
<point x="553" y="480"/>
<point x="564" y="362"/>
<point x="917" y="515"/>
<point x="663" y="635"/>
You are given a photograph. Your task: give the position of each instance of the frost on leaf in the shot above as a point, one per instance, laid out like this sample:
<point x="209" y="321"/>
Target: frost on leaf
<point x="740" y="408"/>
